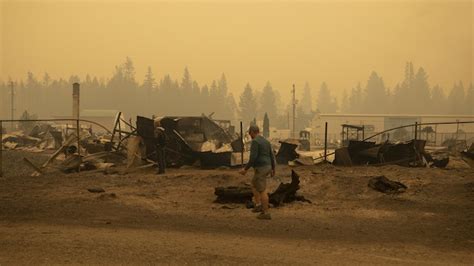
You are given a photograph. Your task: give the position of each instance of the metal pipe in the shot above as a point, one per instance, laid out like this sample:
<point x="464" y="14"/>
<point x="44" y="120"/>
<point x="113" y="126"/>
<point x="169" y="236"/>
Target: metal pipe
<point x="325" y="141"/>
<point x="58" y="120"/>
<point x="420" y="124"/>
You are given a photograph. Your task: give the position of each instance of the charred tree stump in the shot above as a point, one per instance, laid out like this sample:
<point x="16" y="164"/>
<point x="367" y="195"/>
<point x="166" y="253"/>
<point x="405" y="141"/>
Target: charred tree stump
<point x="286" y="192"/>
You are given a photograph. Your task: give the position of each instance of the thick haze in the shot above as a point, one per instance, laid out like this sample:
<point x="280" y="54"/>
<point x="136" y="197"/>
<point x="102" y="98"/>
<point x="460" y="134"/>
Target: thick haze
<point x="283" y="42"/>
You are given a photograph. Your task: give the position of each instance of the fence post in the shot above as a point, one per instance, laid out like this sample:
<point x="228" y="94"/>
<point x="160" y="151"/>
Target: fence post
<point x="457" y="129"/>
<point x="1" y="148"/>
<point x="78" y="132"/>
<point x="416" y="130"/>
<point x="326" y="142"/>
<point x="242" y="143"/>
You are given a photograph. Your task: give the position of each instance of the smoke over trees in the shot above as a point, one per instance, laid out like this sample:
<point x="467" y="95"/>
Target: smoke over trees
<point x="47" y="96"/>
<point x="247" y="105"/>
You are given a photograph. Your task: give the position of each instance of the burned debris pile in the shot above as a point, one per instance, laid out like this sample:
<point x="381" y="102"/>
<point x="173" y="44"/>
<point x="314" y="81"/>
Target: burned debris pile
<point x="192" y="141"/>
<point x="41" y="137"/>
<point x="287" y="151"/>
<point x="68" y="152"/>
<point x="411" y="153"/>
<point x="44" y="137"/>
<point x="285" y="193"/>
<point x="469" y="153"/>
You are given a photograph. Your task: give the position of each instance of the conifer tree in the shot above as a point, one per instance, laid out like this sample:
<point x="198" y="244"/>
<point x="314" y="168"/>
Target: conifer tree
<point x="266" y="126"/>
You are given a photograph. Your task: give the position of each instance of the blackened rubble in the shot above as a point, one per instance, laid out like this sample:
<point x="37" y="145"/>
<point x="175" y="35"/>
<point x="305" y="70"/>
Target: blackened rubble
<point x="193" y="140"/>
<point x="410" y="153"/>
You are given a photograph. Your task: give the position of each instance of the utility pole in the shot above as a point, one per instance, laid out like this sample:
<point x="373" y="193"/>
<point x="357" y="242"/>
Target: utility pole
<point x="288" y="118"/>
<point x="294" y="111"/>
<point x="12" y="103"/>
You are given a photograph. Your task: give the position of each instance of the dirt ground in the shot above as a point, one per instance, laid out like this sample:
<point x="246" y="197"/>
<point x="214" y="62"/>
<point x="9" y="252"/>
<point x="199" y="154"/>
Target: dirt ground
<point x="171" y="219"/>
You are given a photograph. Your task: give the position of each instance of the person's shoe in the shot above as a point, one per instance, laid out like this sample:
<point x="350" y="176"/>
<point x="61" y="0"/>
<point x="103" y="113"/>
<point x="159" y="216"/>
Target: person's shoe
<point x="264" y="216"/>
<point x="257" y="208"/>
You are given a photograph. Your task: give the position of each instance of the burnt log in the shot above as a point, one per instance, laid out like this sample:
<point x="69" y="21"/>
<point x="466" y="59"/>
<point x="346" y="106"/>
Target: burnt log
<point x="233" y="194"/>
<point x="285" y="193"/>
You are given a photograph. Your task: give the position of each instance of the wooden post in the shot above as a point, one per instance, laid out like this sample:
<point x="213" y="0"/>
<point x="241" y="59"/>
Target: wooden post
<point x="347" y="134"/>
<point x="326" y="142"/>
<point x="242" y="143"/>
<point x="78" y="130"/>
<point x="1" y="148"/>
<point x="457" y="129"/>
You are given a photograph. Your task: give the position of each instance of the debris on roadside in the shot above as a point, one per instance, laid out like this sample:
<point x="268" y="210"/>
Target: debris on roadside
<point x="285" y="193"/>
<point x="96" y="190"/>
<point x="411" y="154"/>
<point x="385" y="185"/>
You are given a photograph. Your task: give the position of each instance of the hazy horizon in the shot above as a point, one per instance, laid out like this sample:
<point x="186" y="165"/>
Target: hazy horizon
<point x="340" y="43"/>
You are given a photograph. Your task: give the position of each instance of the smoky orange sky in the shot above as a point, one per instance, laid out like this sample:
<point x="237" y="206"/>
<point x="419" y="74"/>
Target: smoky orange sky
<point x="283" y="42"/>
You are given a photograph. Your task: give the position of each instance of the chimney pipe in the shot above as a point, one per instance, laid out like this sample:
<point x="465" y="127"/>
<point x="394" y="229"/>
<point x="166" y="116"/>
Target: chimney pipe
<point x="75" y="100"/>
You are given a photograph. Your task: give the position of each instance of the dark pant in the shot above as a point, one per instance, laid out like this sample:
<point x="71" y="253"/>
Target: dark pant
<point x="160" y="156"/>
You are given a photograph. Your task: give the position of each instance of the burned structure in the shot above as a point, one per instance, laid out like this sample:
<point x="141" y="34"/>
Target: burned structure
<point x="192" y="141"/>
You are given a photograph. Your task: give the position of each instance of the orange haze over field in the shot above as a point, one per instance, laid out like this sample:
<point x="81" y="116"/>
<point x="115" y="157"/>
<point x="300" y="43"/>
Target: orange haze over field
<point x="285" y="42"/>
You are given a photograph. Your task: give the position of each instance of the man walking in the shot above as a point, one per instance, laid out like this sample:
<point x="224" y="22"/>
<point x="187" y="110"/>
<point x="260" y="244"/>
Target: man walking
<point x="160" y="143"/>
<point x="262" y="159"/>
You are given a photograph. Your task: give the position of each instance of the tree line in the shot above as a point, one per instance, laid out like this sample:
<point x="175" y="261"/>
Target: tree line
<point x="46" y="97"/>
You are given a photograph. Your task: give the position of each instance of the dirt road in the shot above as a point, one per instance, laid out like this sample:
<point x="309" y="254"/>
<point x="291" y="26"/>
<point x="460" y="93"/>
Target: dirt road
<point x="144" y="218"/>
